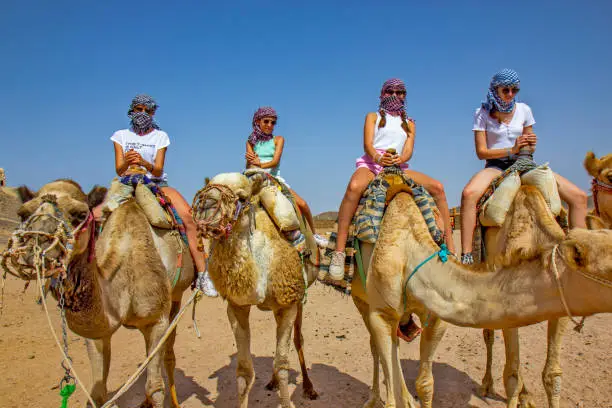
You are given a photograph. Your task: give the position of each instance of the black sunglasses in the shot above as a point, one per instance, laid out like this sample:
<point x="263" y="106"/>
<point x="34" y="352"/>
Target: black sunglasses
<point x="142" y="109"/>
<point x="268" y="121"/>
<point x="506" y="90"/>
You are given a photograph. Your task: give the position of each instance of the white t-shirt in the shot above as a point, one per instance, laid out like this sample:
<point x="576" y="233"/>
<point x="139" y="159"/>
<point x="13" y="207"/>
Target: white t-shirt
<point x="390" y="136"/>
<point x="146" y="145"/>
<point x="503" y="135"/>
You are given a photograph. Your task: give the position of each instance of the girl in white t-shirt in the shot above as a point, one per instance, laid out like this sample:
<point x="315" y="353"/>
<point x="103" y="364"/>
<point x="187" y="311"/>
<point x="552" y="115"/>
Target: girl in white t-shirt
<point x="144" y="145"/>
<point x="502" y="127"/>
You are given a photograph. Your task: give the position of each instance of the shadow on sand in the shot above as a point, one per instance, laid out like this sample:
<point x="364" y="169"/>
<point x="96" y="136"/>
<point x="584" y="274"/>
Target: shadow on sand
<point x="185" y="386"/>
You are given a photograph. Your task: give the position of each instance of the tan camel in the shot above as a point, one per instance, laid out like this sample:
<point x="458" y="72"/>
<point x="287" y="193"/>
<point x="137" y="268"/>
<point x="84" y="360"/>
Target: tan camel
<point x="254" y="265"/>
<point x="520" y="290"/>
<point x="126" y="284"/>
<point x="2" y="178"/>
<point x="601" y="171"/>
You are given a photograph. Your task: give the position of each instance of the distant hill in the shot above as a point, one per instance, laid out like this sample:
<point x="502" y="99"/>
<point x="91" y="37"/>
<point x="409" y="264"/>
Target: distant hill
<point x="9" y="204"/>
<point x="326" y="216"/>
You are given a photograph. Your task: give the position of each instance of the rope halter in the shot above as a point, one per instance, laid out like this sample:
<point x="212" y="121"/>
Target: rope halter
<point x="28" y="241"/>
<point x="216" y="217"/>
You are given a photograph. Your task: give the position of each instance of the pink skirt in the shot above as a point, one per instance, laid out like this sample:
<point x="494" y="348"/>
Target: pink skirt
<point x="369" y="163"/>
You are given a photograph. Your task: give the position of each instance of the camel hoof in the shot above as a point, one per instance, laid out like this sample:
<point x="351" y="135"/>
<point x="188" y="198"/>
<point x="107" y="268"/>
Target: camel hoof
<point x="486" y="390"/>
<point x="526" y="401"/>
<point x="374" y="402"/>
<point x="310" y="394"/>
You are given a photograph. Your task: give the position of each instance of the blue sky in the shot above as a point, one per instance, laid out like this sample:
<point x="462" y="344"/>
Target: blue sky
<point x="70" y="69"/>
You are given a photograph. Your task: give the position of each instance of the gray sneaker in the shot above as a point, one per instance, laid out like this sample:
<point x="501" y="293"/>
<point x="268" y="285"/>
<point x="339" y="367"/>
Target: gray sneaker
<point x="467" y="259"/>
<point x="205" y="284"/>
<point x="336" y="266"/>
<point x="321" y="241"/>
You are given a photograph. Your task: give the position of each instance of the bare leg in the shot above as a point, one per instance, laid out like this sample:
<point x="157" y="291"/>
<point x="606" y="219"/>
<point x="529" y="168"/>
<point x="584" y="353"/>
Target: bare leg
<point x="436" y="189"/>
<point x="430" y="339"/>
<point x="356" y="186"/>
<point x="170" y="358"/>
<point x="487" y="381"/>
<point x="285" y="319"/>
<point x="551" y="376"/>
<point x="99" y="352"/>
<point x="375" y="400"/>
<point x="154" y="388"/>
<point x="512" y="376"/>
<point x="184" y="211"/>
<point x="576" y="199"/>
<point x="304" y="209"/>
<point x="245" y="374"/>
<point x="469" y="199"/>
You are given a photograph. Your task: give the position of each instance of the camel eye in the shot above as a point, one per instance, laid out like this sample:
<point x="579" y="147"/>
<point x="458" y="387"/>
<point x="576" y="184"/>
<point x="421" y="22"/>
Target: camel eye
<point x="23" y="214"/>
<point x="77" y="216"/>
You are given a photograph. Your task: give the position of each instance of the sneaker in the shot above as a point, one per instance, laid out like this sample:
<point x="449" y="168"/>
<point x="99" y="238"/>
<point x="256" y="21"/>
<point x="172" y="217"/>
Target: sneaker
<point x="467" y="259"/>
<point x="205" y="284"/>
<point x="336" y="266"/>
<point x="322" y="242"/>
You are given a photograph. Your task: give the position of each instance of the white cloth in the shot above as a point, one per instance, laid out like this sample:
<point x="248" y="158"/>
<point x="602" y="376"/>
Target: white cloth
<point x="390" y="136"/>
<point x="146" y="145"/>
<point x="503" y="135"/>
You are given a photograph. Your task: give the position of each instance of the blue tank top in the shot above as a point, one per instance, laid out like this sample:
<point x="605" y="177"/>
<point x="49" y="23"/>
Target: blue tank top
<point x="265" y="151"/>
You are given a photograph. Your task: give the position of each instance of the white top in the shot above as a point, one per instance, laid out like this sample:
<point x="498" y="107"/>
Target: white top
<point x="390" y="136"/>
<point x="146" y="145"/>
<point x="503" y="135"/>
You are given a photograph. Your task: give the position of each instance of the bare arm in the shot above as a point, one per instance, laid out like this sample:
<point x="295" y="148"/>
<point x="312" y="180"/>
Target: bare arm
<point x="484" y="153"/>
<point x="252" y="160"/>
<point x="124" y="160"/>
<point x="409" y="145"/>
<point x="279" y="143"/>
<point x="121" y="164"/>
<point x="368" y="135"/>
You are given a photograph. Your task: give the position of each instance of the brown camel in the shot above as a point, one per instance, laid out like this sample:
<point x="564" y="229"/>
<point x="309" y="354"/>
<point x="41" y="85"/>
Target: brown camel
<point x="519" y="288"/>
<point x="601" y="171"/>
<point x="252" y="264"/>
<point x="126" y="284"/>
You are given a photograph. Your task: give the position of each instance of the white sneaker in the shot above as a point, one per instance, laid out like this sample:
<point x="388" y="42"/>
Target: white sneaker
<point x="321" y="241"/>
<point x="205" y="284"/>
<point x="336" y="266"/>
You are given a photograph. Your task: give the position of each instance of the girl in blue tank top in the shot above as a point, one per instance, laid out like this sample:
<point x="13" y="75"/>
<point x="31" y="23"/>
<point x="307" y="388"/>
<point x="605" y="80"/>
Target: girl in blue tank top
<point x="264" y="151"/>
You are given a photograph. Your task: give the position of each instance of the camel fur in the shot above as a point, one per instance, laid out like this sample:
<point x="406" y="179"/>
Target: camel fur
<point x="512" y="291"/>
<point x="601" y="170"/>
<point x="126" y="284"/>
<point x="255" y="265"/>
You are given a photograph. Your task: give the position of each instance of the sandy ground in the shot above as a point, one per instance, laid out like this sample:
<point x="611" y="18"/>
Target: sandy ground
<point x="337" y="353"/>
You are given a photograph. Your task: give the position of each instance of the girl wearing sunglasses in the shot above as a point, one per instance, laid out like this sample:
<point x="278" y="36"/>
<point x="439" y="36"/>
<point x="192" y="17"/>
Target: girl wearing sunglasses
<point x="143" y="147"/>
<point x="264" y="151"/>
<point x="502" y="127"/>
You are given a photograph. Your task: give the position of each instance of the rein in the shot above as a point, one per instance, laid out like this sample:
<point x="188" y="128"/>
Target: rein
<point x="598" y="186"/>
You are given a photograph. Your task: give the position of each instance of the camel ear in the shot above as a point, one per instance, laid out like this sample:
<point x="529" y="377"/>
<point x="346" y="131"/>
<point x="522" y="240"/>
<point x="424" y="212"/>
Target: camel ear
<point x="592" y="164"/>
<point x="593" y="222"/>
<point x="574" y="253"/>
<point x="25" y="194"/>
<point x="96" y="196"/>
<point x="206" y="181"/>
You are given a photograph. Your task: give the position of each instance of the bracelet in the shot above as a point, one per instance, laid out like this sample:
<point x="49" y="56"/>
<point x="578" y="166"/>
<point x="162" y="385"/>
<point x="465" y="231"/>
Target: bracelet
<point x="509" y="151"/>
<point x="377" y="158"/>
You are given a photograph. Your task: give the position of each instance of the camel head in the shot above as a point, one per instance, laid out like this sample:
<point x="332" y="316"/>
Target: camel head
<point x="57" y="225"/>
<point x="600" y="169"/>
<point x="217" y="206"/>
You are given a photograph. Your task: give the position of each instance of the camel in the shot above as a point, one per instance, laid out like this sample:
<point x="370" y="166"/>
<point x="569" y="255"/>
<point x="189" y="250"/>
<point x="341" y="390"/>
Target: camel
<point x="2" y="178"/>
<point x="517" y="289"/>
<point x="601" y="171"/>
<point x="254" y="265"/>
<point x="126" y="283"/>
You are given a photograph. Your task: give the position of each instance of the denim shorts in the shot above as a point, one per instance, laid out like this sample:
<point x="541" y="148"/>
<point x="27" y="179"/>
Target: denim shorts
<point x="501" y="164"/>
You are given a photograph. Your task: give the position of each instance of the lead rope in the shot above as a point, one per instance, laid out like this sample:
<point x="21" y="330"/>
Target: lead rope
<point x="579" y="324"/>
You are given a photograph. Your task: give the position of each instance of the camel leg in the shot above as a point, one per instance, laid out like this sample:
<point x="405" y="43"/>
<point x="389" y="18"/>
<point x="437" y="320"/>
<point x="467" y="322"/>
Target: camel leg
<point x="99" y="352"/>
<point x="551" y="376"/>
<point x="154" y="387"/>
<point x="245" y="374"/>
<point x="384" y="330"/>
<point x="512" y="376"/>
<point x="486" y="388"/>
<point x="285" y="319"/>
<point x="430" y="338"/>
<point x="375" y="400"/>
<point x="298" y="341"/>
<point x="170" y="358"/>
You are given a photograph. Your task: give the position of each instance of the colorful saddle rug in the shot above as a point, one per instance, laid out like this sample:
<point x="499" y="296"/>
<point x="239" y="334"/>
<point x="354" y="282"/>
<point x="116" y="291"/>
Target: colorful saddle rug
<point x="368" y="218"/>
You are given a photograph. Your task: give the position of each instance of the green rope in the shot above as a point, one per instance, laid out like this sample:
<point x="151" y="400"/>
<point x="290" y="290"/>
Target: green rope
<point x="359" y="261"/>
<point x="442" y="254"/>
<point x="66" y="391"/>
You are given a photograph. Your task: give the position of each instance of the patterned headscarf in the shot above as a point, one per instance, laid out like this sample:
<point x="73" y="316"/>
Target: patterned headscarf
<point x="142" y="122"/>
<point x="505" y="77"/>
<point x="258" y="135"/>
<point x="392" y="105"/>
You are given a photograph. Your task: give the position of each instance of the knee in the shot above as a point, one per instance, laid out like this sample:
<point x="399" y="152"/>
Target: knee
<point x="436" y="189"/>
<point x="470" y="194"/>
<point x="299" y="201"/>
<point x="354" y="189"/>
<point x="579" y="200"/>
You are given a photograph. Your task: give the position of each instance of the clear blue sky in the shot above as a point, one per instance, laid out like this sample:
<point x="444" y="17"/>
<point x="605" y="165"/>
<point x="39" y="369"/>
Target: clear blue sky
<point x="68" y="71"/>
